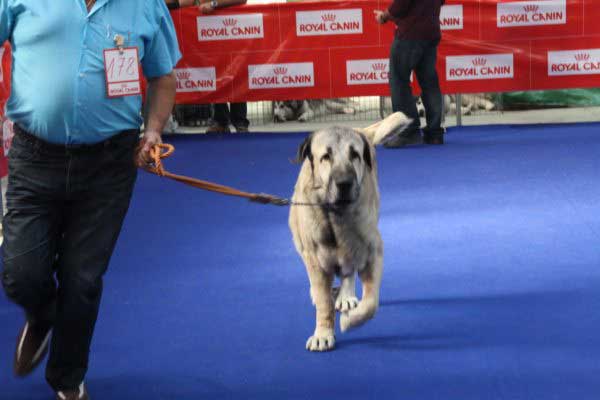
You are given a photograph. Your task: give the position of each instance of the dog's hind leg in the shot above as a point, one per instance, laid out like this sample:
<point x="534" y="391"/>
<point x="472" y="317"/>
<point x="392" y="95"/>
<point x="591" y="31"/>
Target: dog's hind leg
<point x="346" y="299"/>
<point x="368" y="305"/>
<point x="323" y="338"/>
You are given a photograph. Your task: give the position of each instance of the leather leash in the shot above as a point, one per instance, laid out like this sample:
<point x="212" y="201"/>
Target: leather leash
<point x="164" y="150"/>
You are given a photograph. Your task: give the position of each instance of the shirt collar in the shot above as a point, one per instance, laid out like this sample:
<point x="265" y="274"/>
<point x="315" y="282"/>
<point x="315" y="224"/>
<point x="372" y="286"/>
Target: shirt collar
<point x="97" y="6"/>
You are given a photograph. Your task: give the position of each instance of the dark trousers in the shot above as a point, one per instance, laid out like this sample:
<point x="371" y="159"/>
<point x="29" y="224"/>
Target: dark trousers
<point x="234" y="114"/>
<point x="420" y="56"/>
<point x="65" y="211"/>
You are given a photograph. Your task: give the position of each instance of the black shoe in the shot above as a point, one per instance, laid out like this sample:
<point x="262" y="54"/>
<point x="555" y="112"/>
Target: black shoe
<point x="405" y="139"/>
<point x="217" y="128"/>
<point x="241" y="129"/>
<point x="32" y="346"/>
<point x="79" y="393"/>
<point x="433" y="137"/>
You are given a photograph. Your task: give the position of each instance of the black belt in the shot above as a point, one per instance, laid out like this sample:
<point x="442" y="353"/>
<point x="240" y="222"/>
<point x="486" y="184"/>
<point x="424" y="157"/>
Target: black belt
<point x="121" y="138"/>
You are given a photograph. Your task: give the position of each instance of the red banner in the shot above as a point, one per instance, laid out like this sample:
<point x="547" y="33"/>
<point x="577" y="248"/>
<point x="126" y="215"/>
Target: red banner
<point x="336" y="49"/>
<point x="5" y="125"/>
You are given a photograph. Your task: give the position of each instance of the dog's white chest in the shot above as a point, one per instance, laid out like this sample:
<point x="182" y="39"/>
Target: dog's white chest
<point x="343" y="260"/>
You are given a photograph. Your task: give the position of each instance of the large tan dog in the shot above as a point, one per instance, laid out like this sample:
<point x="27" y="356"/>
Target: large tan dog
<point x="334" y="223"/>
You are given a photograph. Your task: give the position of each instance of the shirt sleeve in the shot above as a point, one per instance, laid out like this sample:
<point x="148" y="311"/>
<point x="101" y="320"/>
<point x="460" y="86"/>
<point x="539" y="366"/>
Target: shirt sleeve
<point x="6" y="21"/>
<point x="399" y="8"/>
<point x="162" y="52"/>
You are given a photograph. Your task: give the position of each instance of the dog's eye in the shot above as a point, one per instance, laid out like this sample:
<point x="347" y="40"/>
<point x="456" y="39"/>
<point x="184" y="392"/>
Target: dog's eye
<point x="354" y="155"/>
<point x="325" y="157"/>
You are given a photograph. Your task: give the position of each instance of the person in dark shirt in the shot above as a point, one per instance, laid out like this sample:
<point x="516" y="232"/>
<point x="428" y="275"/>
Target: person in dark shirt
<point x="224" y="114"/>
<point x="415" y="48"/>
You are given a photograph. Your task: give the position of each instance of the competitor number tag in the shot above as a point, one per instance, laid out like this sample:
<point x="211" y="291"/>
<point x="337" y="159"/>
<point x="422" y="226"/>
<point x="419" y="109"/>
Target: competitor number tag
<point x="122" y="67"/>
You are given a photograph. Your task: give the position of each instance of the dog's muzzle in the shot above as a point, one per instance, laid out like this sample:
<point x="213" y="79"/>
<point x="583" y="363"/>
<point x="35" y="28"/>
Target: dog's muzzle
<point x="344" y="192"/>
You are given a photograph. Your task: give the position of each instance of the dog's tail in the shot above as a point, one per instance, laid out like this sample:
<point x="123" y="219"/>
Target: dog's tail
<point x="385" y="129"/>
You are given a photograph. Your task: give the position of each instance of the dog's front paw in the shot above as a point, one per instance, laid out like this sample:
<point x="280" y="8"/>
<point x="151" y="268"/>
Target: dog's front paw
<point x="356" y="317"/>
<point x="344" y="304"/>
<point x="321" y="342"/>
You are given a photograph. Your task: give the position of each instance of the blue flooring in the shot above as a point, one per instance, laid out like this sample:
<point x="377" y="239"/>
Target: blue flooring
<point x="491" y="286"/>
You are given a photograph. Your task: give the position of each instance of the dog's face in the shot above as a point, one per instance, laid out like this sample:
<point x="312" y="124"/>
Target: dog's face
<point x="285" y="110"/>
<point x="339" y="159"/>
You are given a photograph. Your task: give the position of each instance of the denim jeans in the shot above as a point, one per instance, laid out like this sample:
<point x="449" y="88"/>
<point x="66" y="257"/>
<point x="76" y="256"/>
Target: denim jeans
<point x="65" y="211"/>
<point x="420" y="56"/>
<point x="235" y="114"/>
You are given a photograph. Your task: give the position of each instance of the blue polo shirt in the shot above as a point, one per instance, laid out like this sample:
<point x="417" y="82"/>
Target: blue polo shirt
<point x="58" y="81"/>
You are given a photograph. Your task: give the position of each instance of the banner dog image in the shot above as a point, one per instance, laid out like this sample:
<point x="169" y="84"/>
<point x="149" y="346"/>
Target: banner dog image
<point x="335" y="225"/>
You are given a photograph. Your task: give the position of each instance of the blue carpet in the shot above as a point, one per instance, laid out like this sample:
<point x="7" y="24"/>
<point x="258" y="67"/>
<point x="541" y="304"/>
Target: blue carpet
<point x="491" y="285"/>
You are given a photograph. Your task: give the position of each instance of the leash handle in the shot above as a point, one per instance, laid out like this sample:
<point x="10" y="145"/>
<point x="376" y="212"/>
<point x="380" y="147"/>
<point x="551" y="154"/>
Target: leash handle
<point x="158" y="152"/>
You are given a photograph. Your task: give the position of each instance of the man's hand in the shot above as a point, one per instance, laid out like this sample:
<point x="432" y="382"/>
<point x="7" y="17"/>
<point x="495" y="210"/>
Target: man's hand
<point x="381" y="16"/>
<point x="143" y="157"/>
<point x="159" y="103"/>
<point x="206" y="8"/>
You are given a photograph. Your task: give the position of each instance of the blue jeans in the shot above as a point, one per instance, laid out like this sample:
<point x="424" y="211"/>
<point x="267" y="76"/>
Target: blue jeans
<point x="65" y="211"/>
<point x="420" y="56"/>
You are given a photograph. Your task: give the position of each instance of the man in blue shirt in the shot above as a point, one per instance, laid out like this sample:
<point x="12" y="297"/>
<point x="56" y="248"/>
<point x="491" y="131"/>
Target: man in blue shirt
<point x="76" y="104"/>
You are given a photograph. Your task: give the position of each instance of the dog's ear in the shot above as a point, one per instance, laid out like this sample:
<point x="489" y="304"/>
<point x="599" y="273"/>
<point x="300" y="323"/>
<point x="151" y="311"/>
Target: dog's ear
<point x="366" y="151"/>
<point x="304" y="150"/>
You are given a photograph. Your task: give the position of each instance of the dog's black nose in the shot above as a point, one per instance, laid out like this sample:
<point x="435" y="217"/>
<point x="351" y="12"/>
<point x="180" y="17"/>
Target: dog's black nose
<point x="344" y="189"/>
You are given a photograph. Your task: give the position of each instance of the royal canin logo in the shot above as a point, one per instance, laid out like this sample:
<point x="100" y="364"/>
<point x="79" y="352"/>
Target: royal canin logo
<point x="531" y="8"/>
<point x="367" y="72"/>
<point x="582" y="57"/>
<point x="230" y="27"/>
<point x="196" y="80"/>
<point x="529" y="13"/>
<point x="269" y="76"/>
<point x="480" y="66"/>
<point x="574" y="62"/>
<point x="329" y="22"/>
<point x="183" y="75"/>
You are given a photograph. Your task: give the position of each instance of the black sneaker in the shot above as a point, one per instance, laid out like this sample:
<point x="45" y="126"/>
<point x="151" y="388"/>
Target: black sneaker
<point x="405" y="139"/>
<point x="74" y="394"/>
<point x="32" y="346"/>
<point x="433" y="137"/>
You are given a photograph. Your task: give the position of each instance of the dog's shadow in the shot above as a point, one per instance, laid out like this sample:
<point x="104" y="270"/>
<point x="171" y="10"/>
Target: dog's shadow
<point x="533" y="319"/>
<point x="404" y="342"/>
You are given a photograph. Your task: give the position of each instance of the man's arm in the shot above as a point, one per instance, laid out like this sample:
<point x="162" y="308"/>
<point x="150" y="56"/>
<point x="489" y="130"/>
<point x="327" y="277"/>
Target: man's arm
<point x="174" y="4"/>
<point x="396" y="10"/>
<point x="6" y="21"/>
<point x="399" y="8"/>
<point x="204" y="3"/>
<point x="208" y="6"/>
<point x="159" y="103"/>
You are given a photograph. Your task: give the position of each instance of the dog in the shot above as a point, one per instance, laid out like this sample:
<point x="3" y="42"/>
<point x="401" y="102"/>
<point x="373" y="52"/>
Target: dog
<point x="469" y="103"/>
<point x="306" y="110"/>
<point x="334" y="224"/>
